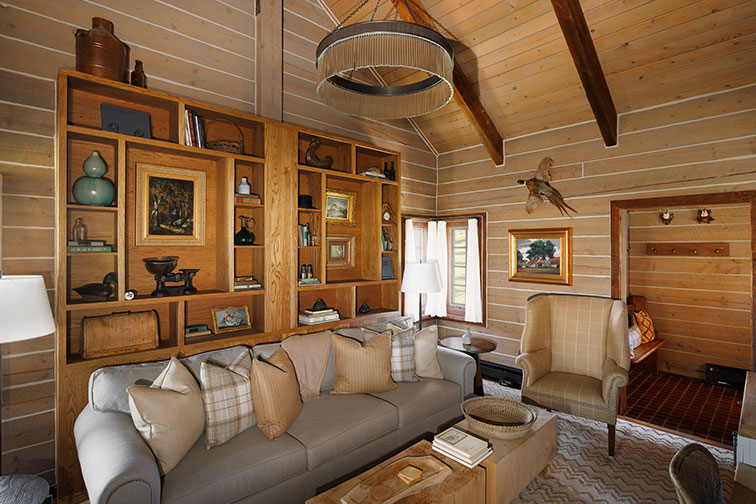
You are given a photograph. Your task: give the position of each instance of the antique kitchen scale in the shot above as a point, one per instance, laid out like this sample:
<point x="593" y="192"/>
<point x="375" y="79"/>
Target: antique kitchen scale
<point x="162" y="268"/>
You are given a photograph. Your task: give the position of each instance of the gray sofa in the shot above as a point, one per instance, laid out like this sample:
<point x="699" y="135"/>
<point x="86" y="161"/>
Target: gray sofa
<point x="331" y="437"/>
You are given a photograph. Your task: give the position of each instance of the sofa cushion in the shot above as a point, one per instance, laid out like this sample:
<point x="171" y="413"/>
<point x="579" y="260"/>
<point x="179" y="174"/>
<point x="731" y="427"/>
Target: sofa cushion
<point x="420" y="399"/>
<point x="337" y="424"/>
<point x="362" y="367"/>
<point x="227" y="394"/>
<point x="107" y="385"/>
<point x="275" y="392"/>
<point x="168" y="414"/>
<point x="246" y="465"/>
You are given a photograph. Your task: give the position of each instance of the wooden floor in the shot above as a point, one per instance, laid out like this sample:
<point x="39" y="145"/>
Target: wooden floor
<point x="684" y="405"/>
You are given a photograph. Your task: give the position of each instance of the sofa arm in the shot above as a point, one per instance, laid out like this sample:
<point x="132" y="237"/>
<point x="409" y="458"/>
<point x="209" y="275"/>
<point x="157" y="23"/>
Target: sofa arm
<point x="116" y="463"/>
<point x="534" y="365"/>
<point x="613" y="377"/>
<point x="457" y="367"/>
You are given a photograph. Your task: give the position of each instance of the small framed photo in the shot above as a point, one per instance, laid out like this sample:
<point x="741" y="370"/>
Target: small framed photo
<point x="170" y="205"/>
<point x="231" y="319"/>
<point x="541" y="255"/>
<point x="340" y="207"/>
<point x="340" y="251"/>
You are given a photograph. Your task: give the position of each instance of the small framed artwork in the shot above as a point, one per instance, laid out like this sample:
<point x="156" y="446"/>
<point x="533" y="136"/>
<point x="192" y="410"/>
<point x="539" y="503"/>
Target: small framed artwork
<point x="340" y="207"/>
<point x="231" y="319"/>
<point x="340" y="251"/>
<point x="170" y="206"/>
<point x="541" y="255"/>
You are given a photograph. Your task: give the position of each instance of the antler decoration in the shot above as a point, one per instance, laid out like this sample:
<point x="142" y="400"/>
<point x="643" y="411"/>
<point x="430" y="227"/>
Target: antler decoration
<point x="539" y="188"/>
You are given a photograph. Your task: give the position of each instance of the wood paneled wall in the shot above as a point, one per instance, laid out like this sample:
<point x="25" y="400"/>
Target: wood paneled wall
<point x="701" y="145"/>
<point x="701" y="306"/>
<point x="305" y="23"/>
<point x="203" y="50"/>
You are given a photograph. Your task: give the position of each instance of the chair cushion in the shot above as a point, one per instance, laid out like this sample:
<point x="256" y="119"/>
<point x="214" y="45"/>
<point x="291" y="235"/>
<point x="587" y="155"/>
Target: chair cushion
<point x="577" y="394"/>
<point x="229" y="472"/>
<point x="337" y="424"/>
<point x="418" y="400"/>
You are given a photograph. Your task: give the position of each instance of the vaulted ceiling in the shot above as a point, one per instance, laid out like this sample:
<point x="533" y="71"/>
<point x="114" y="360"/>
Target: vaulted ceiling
<point x="515" y="55"/>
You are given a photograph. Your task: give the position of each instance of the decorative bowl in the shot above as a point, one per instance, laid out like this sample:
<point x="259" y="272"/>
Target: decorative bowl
<point x="160" y="265"/>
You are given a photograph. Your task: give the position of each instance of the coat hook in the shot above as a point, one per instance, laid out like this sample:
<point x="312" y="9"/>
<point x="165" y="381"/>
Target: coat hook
<point x="704" y="216"/>
<point x="666" y="216"/>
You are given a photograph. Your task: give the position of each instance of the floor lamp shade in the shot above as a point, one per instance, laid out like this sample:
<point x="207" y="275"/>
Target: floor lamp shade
<point x="24" y="308"/>
<point x="421" y="278"/>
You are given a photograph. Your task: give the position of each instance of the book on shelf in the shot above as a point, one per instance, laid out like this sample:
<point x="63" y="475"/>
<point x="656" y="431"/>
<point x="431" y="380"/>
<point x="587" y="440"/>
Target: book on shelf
<point x="460" y="442"/>
<point x="248" y="199"/>
<point x="86" y="243"/>
<point x="309" y="281"/>
<point x="319" y="312"/>
<point x="316" y="319"/>
<point x="465" y="462"/>
<point x="206" y="332"/>
<point x="75" y="249"/>
<point x="303" y="322"/>
<point x="238" y="287"/>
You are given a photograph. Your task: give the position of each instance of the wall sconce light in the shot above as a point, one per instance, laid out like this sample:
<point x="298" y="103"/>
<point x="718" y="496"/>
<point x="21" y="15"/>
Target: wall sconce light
<point x="704" y="216"/>
<point x="666" y="216"/>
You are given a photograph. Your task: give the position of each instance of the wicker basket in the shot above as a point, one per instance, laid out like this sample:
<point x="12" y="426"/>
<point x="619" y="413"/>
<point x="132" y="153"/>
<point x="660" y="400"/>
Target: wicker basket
<point x="499" y="417"/>
<point x="232" y="146"/>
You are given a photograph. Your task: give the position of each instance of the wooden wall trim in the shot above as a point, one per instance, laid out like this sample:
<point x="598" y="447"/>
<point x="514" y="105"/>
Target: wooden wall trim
<point x="674" y="201"/>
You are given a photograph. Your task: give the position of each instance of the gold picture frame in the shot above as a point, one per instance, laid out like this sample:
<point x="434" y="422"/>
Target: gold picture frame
<point x="341" y="207"/>
<point x="340" y="251"/>
<point x="541" y="255"/>
<point x="170" y="206"/>
<point x="233" y="318"/>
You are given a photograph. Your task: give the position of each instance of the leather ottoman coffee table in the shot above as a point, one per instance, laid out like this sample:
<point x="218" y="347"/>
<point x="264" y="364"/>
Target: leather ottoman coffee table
<point x="514" y="463"/>
<point x="460" y="486"/>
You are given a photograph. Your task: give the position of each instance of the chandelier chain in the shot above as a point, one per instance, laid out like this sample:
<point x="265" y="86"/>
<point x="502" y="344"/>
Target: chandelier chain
<point x="354" y="11"/>
<point x="415" y="14"/>
<point x="377" y="3"/>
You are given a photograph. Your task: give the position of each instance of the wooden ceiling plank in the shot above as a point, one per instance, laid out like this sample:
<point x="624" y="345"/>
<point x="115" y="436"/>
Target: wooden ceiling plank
<point x="464" y="94"/>
<point x="578" y="36"/>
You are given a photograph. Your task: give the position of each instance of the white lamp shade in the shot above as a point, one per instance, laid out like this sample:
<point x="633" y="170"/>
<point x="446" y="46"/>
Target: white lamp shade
<point x="24" y="308"/>
<point x="421" y="277"/>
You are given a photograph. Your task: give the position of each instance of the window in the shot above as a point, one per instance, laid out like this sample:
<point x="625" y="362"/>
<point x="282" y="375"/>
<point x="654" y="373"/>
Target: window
<point x="456" y="238"/>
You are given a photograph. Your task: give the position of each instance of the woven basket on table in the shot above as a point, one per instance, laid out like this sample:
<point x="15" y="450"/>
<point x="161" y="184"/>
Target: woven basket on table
<point x="499" y="417"/>
<point x="232" y="146"/>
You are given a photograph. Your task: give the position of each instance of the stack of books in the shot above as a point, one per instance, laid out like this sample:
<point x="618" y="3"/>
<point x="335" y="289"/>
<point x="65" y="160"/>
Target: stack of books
<point x="309" y="281"/>
<point x="312" y="317"/>
<point x="458" y="445"/>
<point x="87" y="246"/>
<point x="194" y="129"/>
<point x="246" y="283"/>
<point x="248" y="199"/>
<point x="195" y="330"/>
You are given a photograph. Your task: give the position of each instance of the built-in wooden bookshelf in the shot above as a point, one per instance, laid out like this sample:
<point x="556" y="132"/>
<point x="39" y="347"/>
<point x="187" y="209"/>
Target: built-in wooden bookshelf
<point x="273" y="161"/>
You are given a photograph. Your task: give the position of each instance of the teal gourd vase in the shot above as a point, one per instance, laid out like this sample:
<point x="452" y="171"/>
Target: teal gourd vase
<point x="94" y="189"/>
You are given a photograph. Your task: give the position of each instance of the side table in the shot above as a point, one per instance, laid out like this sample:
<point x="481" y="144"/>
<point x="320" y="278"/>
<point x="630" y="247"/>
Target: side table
<point x="476" y="347"/>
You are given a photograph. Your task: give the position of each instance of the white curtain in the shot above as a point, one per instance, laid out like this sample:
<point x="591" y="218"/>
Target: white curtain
<point x="438" y="253"/>
<point x="473" y="298"/>
<point x="410" y="300"/>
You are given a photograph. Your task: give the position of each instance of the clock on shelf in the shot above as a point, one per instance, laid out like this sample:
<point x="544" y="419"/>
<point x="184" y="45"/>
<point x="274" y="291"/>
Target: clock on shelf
<point x="387" y="214"/>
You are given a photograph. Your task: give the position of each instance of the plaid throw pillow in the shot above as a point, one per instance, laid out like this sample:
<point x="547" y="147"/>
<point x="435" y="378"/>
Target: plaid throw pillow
<point x="403" y="367"/>
<point x="646" y="326"/>
<point x="227" y="394"/>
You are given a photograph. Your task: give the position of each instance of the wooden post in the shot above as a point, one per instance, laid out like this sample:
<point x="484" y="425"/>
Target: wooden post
<point x="269" y="60"/>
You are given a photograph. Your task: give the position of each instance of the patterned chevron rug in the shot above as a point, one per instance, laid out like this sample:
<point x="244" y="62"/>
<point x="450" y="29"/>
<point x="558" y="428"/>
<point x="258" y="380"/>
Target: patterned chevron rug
<point x="581" y="472"/>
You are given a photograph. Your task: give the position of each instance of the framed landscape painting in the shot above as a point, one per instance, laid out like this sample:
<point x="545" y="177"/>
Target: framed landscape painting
<point x="340" y="207"/>
<point x="170" y="206"/>
<point x="340" y="251"/>
<point x="541" y="255"/>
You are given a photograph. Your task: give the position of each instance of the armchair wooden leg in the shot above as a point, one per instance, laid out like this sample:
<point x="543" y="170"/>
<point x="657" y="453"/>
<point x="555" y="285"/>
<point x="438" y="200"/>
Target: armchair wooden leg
<point x="612" y="430"/>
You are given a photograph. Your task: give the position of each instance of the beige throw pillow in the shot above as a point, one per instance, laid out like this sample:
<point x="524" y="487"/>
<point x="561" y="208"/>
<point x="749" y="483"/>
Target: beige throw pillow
<point x="275" y="392"/>
<point x="227" y="394"/>
<point x="168" y="414"/>
<point x="362" y="367"/>
<point x="426" y="346"/>
<point x="309" y="354"/>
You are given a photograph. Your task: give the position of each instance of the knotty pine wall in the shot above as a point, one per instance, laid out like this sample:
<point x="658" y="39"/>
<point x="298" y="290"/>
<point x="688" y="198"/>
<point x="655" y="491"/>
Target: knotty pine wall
<point x="701" y="145"/>
<point x="701" y="306"/>
<point x="305" y="23"/>
<point x="203" y="50"/>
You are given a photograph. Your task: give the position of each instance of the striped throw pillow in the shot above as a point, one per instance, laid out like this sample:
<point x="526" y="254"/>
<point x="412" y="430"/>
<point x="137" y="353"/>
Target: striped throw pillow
<point x="227" y="394"/>
<point x="275" y="391"/>
<point x="646" y="326"/>
<point x="362" y="367"/>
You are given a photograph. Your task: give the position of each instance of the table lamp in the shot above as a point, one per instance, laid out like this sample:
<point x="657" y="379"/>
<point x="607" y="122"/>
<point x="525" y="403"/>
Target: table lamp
<point x="24" y="314"/>
<point x="421" y="278"/>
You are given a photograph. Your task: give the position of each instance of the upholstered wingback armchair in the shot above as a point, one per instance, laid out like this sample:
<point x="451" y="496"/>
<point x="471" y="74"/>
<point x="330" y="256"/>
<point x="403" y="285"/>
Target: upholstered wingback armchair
<point x="574" y="355"/>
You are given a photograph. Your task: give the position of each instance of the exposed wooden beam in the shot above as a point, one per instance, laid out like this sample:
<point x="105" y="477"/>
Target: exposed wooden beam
<point x="570" y="15"/>
<point x="269" y="75"/>
<point x="464" y="93"/>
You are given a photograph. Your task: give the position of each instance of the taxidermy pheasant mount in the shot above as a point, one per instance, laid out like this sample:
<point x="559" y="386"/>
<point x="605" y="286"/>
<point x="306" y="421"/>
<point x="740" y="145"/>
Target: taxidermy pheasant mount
<point x="539" y="188"/>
